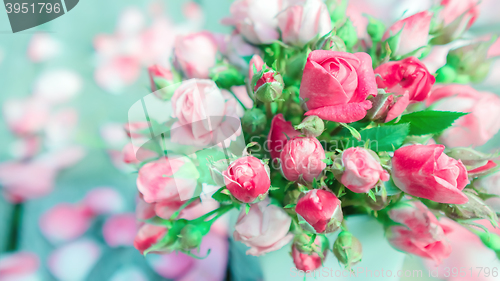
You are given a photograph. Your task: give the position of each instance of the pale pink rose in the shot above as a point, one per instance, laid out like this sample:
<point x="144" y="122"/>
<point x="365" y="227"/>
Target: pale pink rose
<point x="170" y="179"/>
<point x="26" y="116"/>
<point x="474" y="129"/>
<point x="196" y="54"/>
<point x="237" y="49"/>
<point x="120" y="230"/>
<point x="420" y="233"/>
<point x="256" y="19"/>
<point x="425" y="171"/>
<point x="74" y="261"/>
<point x="103" y="201"/>
<point x="147" y="236"/>
<point x="302" y="157"/>
<point x="264" y="229"/>
<point x="43" y="47"/>
<point x="303" y="21"/>
<point x="64" y="222"/>
<point x="19" y="266"/>
<point x="362" y="171"/>
<point x="414" y="34"/>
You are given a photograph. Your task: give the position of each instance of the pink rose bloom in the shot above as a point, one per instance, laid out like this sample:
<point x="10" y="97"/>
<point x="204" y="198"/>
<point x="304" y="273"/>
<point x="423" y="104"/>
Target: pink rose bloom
<point x="247" y="179"/>
<point x="302" y="158"/>
<point x="321" y="210"/>
<point x="196" y="54"/>
<point x="64" y="222"/>
<point x="256" y="20"/>
<point x="303" y="21"/>
<point x="305" y="262"/>
<point x="425" y="171"/>
<point x="414" y="33"/>
<point x="120" y="230"/>
<point x="420" y="234"/>
<point x="362" y="171"/>
<point x="278" y="136"/>
<point x="335" y="85"/>
<point x="474" y="129"/>
<point x="147" y="236"/>
<point x="264" y="229"/>
<point x="171" y="179"/>
<point x="19" y="266"/>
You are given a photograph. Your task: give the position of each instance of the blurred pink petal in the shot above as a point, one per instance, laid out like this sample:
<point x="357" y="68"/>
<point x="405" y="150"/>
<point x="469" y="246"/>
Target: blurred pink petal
<point x="131" y="21"/>
<point x="43" y="47"/>
<point x="58" y="86"/>
<point x="60" y="127"/>
<point x="64" y="157"/>
<point x="25" y="116"/>
<point x="143" y="210"/>
<point x="114" y="135"/>
<point x="64" y="222"/>
<point x="120" y="230"/>
<point x="171" y="266"/>
<point x="242" y="95"/>
<point x="74" y="261"/>
<point x="118" y="73"/>
<point x="25" y="147"/>
<point x="192" y="10"/>
<point x="19" y="266"/>
<point x="103" y="201"/>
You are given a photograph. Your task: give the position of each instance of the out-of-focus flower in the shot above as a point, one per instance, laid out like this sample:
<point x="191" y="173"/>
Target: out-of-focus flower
<point x="303" y="21"/>
<point x="278" y="136"/>
<point x="74" y="261"/>
<point x="120" y="230"/>
<point x="43" y="47"/>
<point x="321" y="210"/>
<point x="147" y="236"/>
<point x="408" y="35"/>
<point x="272" y="224"/>
<point x="20" y="266"/>
<point x="425" y="171"/>
<point x="103" y="201"/>
<point x="26" y="116"/>
<point x="162" y="81"/>
<point x="474" y="129"/>
<point x="454" y="19"/>
<point x="302" y="158"/>
<point x="255" y="66"/>
<point x="420" y="233"/>
<point x="58" y="86"/>
<point x="247" y="179"/>
<point x="490" y="185"/>
<point x="64" y="222"/>
<point x="362" y="171"/>
<point x="335" y="85"/>
<point x="196" y="54"/>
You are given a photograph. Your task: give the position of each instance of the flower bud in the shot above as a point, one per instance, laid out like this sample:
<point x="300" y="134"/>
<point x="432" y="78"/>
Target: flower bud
<point x="446" y="74"/>
<point x="490" y="240"/>
<point x="163" y="81"/>
<point x="475" y="208"/>
<point x="375" y="29"/>
<point x="319" y="211"/>
<point x="362" y="170"/>
<point x="191" y="236"/>
<point x="147" y="236"/>
<point x="330" y="42"/>
<point x="247" y="179"/>
<point x="226" y="76"/>
<point x="304" y="244"/>
<point x="347" y="249"/>
<point x="302" y="159"/>
<point x="348" y="33"/>
<point x="254" y="121"/>
<point x="309" y="256"/>
<point x="291" y="197"/>
<point x="268" y="85"/>
<point x="311" y="126"/>
<point x="470" y="157"/>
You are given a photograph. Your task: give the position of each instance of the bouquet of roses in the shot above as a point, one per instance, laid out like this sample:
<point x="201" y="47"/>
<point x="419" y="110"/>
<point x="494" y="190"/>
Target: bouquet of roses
<point x="306" y="115"/>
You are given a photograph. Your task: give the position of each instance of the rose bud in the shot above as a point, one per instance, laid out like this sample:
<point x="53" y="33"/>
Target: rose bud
<point x="302" y="158"/>
<point x="309" y="256"/>
<point x="195" y="54"/>
<point x="455" y="17"/>
<point x="362" y="171"/>
<point x="226" y="76"/>
<point x="302" y="22"/>
<point x="163" y="81"/>
<point x="417" y="231"/>
<point x="347" y="33"/>
<point x="168" y="179"/>
<point x="247" y="179"/>
<point x="408" y="77"/>
<point x="268" y="85"/>
<point x="264" y="229"/>
<point x="490" y="240"/>
<point x="311" y="126"/>
<point x="347" y="249"/>
<point x="331" y="43"/>
<point x="278" y="136"/>
<point x="475" y="208"/>
<point x="387" y="107"/>
<point x="335" y="85"/>
<point x="254" y="121"/>
<point x="425" y="171"/>
<point x="191" y="236"/>
<point x="255" y="66"/>
<point x="471" y="157"/>
<point x="319" y="211"/>
<point x="147" y="236"/>
<point x="409" y="35"/>
<point x="474" y="129"/>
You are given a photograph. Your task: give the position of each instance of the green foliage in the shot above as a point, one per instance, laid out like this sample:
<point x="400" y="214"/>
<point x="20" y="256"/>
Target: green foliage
<point x="385" y="138"/>
<point x="430" y="122"/>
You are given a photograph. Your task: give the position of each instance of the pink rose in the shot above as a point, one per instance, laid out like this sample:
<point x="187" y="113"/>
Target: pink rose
<point x="170" y="179"/>
<point x="335" y="85"/>
<point x="303" y="21"/>
<point x="414" y="33"/>
<point x="425" y="171"/>
<point x="362" y="171"/>
<point x="196" y="54"/>
<point x="247" y="179"/>
<point x="120" y="230"/>
<point x="256" y="20"/>
<point x="305" y="262"/>
<point x="420" y="234"/>
<point x="321" y="210"/>
<point x="456" y="17"/>
<point x="147" y="236"/>
<point x="474" y="129"/>
<point x="264" y="229"/>
<point x="278" y="136"/>
<point x="302" y="157"/>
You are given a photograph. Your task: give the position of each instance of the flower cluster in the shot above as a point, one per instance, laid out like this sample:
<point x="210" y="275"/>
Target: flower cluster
<point x="333" y="119"/>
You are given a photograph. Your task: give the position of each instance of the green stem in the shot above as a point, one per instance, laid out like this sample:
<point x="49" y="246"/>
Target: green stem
<point x="15" y="226"/>
<point x="336" y="130"/>
<point x="219" y="211"/>
<point x="269" y="111"/>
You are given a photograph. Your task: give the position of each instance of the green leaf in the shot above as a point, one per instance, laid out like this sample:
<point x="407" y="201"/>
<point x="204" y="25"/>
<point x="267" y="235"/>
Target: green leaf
<point x="385" y="138"/>
<point x="353" y="131"/>
<point x="430" y="122"/>
<point x="289" y="206"/>
<point x="247" y="208"/>
<point x="372" y="195"/>
<point x="220" y="195"/>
